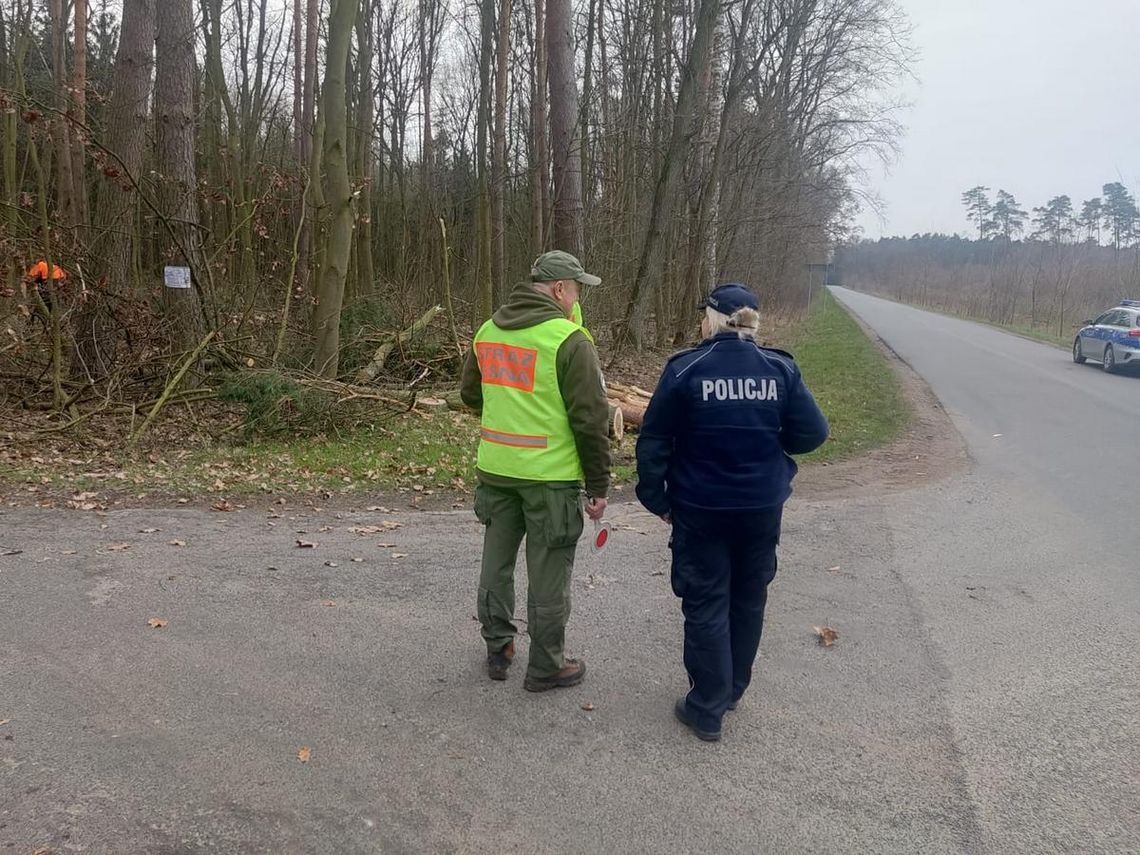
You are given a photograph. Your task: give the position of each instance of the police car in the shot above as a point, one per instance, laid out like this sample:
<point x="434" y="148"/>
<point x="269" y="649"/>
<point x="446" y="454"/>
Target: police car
<point x="1113" y="339"/>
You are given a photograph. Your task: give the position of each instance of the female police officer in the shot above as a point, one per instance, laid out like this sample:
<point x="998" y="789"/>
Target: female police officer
<point x="712" y="460"/>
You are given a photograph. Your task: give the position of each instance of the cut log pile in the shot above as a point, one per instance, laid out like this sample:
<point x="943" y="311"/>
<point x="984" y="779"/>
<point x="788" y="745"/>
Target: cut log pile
<point x="627" y="402"/>
<point x="630" y="400"/>
<point x="451" y="401"/>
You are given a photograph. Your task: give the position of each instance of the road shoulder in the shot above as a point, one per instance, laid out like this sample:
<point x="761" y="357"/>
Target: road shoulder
<point x="930" y="448"/>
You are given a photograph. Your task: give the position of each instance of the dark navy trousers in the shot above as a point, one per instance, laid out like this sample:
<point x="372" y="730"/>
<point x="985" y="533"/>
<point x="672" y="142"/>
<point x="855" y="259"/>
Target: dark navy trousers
<point x="722" y="565"/>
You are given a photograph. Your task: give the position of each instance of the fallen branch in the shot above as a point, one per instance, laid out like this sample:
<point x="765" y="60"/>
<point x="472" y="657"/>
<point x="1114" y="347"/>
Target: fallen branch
<point x="190" y="360"/>
<point x="368" y="373"/>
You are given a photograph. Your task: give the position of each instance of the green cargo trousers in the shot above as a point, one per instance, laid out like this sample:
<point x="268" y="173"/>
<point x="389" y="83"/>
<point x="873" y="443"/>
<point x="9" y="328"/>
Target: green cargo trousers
<point x="550" y="517"/>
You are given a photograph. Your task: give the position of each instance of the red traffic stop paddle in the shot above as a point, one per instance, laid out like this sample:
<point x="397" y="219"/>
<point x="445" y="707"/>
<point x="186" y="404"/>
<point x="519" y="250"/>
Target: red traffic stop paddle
<point x="601" y="537"/>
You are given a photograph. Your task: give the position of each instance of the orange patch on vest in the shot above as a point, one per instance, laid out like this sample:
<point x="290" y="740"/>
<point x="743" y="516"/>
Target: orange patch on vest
<point x="504" y="365"/>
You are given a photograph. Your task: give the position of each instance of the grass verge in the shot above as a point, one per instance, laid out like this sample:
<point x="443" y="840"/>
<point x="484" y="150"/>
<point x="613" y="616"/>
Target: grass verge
<point x="851" y="380"/>
<point x="414" y="453"/>
<point x="1036" y="333"/>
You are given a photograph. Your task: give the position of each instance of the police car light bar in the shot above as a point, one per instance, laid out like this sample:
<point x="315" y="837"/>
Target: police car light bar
<point x="1133" y="304"/>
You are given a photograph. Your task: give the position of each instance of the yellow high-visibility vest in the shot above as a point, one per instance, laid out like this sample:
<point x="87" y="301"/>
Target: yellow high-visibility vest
<point x="525" y="431"/>
<point x="576" y="317"/>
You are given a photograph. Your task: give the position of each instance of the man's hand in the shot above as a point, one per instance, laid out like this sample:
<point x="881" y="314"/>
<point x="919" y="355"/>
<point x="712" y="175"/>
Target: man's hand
<point x="595" y="508"/>
<point x="667" y="518"/>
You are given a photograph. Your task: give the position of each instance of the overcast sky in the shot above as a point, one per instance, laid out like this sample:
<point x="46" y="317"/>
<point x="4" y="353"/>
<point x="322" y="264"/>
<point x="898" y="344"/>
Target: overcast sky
<point x="1036" y="97"/>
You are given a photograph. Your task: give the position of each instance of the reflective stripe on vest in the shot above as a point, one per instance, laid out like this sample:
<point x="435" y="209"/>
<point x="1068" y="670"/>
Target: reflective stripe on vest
<point x="518" y="440"/>
<point x="525" y="431"/>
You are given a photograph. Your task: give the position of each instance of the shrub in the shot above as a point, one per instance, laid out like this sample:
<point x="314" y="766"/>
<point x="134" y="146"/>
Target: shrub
<point x="275" y="404"/>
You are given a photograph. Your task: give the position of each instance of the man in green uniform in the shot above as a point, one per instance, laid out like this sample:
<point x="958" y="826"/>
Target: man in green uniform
<point x="534" y="377"/>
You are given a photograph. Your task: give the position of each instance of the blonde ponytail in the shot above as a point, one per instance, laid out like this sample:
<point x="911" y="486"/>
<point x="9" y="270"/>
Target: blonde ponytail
<point x="744" y="322"/>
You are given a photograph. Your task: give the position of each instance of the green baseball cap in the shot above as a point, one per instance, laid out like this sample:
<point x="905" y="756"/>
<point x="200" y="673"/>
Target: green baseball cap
<point x="555" y="265"/>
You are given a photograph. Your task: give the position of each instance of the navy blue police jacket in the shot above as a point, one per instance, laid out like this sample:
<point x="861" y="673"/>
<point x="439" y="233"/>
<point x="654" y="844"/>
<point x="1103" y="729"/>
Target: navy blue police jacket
<point x="720" y="427"/>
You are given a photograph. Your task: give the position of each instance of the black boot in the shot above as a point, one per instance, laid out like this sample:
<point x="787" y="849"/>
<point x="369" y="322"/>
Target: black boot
<point x="498" y="663"/>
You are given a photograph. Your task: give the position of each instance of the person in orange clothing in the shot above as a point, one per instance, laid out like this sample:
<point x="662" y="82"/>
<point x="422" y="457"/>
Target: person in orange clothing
<point x="38" y="272"/>
<point x="37" y="278"/>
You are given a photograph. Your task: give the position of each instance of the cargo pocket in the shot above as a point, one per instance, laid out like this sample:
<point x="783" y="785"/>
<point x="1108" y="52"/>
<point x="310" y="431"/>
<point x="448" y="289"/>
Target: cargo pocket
<point x="482" y="505"/>
<point x="564" y="516"/>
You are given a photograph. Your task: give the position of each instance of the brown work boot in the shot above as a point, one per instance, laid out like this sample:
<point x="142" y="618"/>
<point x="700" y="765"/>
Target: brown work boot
<point x="570" y="675"/>
<point x="498" y="663"/>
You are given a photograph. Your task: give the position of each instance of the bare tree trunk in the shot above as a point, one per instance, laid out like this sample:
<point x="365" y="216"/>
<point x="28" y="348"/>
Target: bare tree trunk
<point x="427" y="69"/>
<point x="430" y="31"/>
<point x="299" y="86"/>
<point x="665" y="193"/>
<point x="365" y="277"/>
<point x="540" y="202"/>
<point x="705" y="266"/>
<point x="584" y="114"/>
<point x="65" y="186"/>
<point x="338" y="192"/>
<point x="483" y="276"/>
<point x="116" y="200"/>
<point x="14" y="44"/>
<point x="221" y="134"/>
<point x="79" y="111"/>
<point x="565" y="142"/>
<point x="499" y="152"/>
<point x="308" y="107"/>
<point x="174" y="111"/>
<point x="308" y="151"/>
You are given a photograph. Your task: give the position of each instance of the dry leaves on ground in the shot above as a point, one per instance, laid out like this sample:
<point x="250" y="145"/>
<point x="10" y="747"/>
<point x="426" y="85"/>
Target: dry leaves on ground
<point x="383" y="525"/>
<point x="118" y="547"/>
<point x="827" y="635"/>
<point x="147" y="530"/>
<point x="83" y="502"/>
<point x="306" y="544"/>
<point x="588" y="707"/>
<point x="176" y="543"/>
<point x="328" y="602"/>
<point x="304" y="754"/>
<point x="222" y="505"/>
<point x="156" y="623"/>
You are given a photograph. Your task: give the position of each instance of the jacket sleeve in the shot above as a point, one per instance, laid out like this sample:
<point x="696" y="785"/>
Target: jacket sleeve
<point x="584" y="394"/>
<point x="471" y="382"/>
<point x="655" y="444"/>
<point x="804" y="427"/>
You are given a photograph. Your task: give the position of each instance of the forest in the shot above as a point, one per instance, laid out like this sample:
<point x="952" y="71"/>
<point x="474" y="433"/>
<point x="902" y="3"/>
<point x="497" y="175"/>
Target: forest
<point x="340" y="190"/>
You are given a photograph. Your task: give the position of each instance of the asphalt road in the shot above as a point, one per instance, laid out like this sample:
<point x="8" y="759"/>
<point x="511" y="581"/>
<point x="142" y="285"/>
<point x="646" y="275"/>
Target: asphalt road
<point x="982" y="696"/>
<point x="1027" y="572"/>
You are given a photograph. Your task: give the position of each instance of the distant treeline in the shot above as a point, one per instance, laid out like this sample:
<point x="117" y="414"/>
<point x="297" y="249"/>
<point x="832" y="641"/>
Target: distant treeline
<point x="1053" y="279"/>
